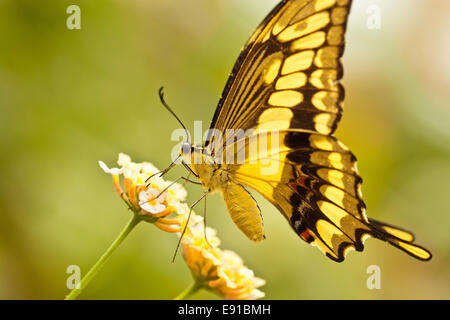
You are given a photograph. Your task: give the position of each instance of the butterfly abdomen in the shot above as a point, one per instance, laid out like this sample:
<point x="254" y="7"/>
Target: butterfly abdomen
<point x="244" y="211"/>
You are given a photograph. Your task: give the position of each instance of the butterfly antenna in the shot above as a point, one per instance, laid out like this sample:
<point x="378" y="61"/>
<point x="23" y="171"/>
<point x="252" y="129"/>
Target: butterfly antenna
<point x="161" y="97"/>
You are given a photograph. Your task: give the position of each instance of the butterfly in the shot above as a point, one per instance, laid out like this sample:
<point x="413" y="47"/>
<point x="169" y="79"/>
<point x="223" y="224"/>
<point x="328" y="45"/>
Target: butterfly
<point x="285" y="90"/>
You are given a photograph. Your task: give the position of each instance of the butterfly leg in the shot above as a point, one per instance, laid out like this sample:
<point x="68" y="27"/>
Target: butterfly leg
<point x="187" y="222"/>
<point x="191" y="181"/>
<point x="204" y="223"/>
<point x="204" y="207"/>
<point x="166" y="188"/>
<point x="163" y="190"/>
<point x="163" y="172"/>
<point x="189" y="169"/>
<point x="187" y="178"/>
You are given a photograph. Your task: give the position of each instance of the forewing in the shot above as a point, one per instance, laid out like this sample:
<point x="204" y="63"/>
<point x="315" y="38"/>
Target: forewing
<point x="288" y="73"/>
<point x="286" y="84"/>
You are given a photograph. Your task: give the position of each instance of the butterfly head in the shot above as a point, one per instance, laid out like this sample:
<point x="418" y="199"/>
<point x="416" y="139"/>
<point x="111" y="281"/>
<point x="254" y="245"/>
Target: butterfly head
<point x="188" y="152"/>
<point x="186" y="149"/>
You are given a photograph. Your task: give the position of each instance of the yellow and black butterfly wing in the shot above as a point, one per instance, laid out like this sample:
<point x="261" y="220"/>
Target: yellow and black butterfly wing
<point x="286" y="83"/>
<point x="313" y="180"/>
<point x="288" y="73"/>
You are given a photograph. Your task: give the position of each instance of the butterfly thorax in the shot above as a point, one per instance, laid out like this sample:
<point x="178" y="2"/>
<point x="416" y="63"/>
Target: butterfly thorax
<point x="216" y="176"/>
<point x="213" y="176"/>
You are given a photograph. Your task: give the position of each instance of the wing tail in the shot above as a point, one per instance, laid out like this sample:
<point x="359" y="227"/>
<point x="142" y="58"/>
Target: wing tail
<point x="317" y="188"/>
<point x="399" y="238"/>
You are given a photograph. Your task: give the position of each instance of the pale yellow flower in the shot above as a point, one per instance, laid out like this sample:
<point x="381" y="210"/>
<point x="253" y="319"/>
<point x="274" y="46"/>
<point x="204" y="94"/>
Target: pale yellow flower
<point x="147" y="194"/>
<point x="221" y="271"/>
<point x="236" y="281"/>
<point x="195" y="232"/>
<point x="162" y="203"/>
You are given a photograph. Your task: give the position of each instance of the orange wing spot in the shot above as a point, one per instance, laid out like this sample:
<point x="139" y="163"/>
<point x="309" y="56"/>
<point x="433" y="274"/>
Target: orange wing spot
<point x="301" y="181"/>
<point x="307" y="236"/>
<point x="293" y="186"/>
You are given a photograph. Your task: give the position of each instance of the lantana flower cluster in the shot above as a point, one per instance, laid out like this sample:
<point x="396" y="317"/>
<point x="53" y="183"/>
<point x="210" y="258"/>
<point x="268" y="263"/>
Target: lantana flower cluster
<point x="221" y="271"/>
<point x="147" y="194"/>
<point x="162" y="203"/>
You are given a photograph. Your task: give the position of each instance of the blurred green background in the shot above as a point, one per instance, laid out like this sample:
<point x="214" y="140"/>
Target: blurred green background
<point x="69" y="98"/>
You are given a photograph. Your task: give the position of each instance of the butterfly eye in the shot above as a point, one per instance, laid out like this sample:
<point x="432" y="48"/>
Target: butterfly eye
<point x="185" y="149"/>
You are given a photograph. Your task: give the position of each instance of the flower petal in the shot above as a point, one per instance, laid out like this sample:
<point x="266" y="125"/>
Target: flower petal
<point x="113" y="171"/>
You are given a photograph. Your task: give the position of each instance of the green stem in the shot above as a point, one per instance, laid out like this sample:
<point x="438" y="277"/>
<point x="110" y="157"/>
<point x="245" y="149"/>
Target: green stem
<point x="193" y="288"/>
<point x="99" y="264"/>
